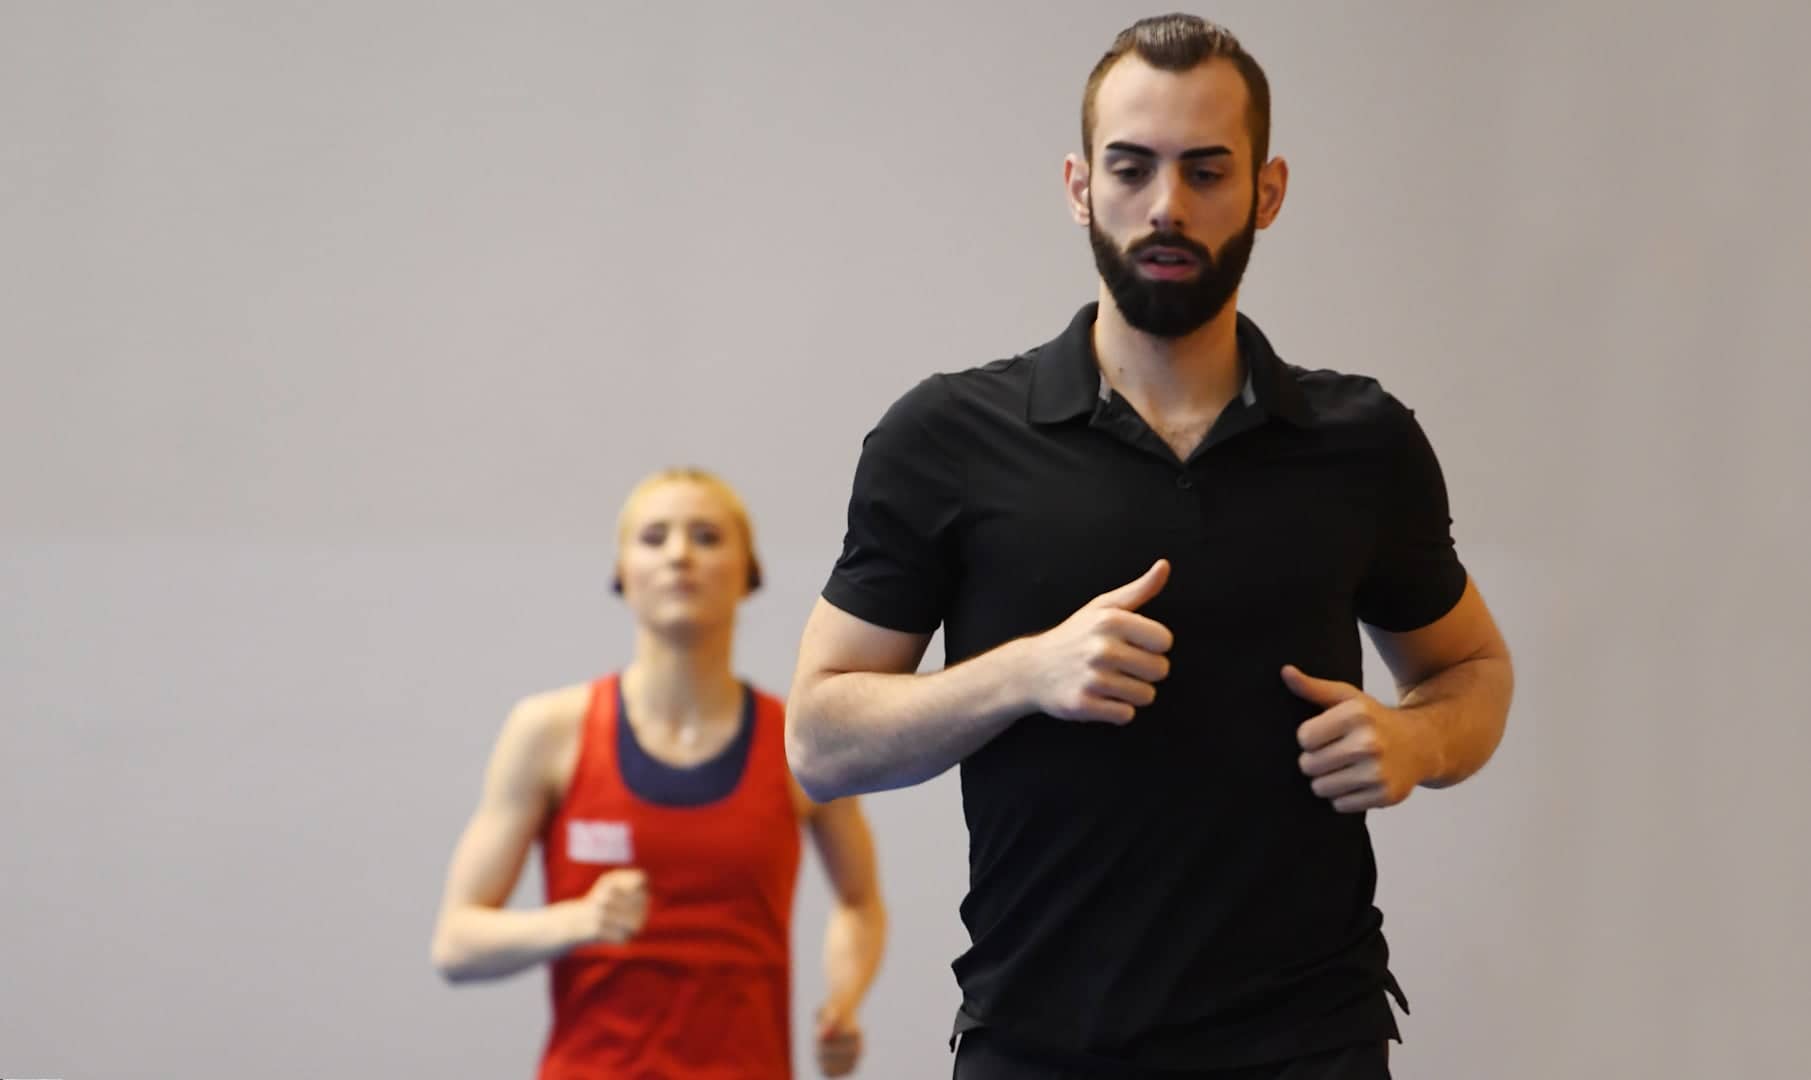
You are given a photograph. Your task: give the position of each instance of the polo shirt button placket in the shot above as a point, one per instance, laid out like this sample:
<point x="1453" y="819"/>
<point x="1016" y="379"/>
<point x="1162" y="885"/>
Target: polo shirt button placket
<point x="1191" y="501"/>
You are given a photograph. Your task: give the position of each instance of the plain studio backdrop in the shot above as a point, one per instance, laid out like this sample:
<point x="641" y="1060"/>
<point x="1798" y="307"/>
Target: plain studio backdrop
<point x="334" y="334"/>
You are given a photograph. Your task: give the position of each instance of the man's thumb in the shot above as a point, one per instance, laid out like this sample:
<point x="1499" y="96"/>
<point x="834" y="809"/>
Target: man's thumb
<point x="1135" y="594"/>
<point x="1323" y="692"/>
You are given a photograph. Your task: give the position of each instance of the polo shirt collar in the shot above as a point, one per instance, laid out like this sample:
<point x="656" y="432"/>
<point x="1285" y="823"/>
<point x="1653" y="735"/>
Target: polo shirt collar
<point x="1066" y="380"/>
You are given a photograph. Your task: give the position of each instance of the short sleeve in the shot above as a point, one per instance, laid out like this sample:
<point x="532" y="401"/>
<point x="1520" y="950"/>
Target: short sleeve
<point x="1415" y="575"/>
<point x="898" y="564"/>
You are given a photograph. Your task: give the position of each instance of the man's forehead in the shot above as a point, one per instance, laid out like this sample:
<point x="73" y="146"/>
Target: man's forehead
<point x="1169" y="110"/>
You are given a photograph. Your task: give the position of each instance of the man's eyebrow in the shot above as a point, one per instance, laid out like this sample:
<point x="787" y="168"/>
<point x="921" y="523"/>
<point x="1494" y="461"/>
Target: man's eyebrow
<point x="1192" y="154"/>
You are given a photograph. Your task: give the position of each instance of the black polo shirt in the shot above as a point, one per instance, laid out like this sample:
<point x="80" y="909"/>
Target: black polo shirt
<point x="1170" y="893"/>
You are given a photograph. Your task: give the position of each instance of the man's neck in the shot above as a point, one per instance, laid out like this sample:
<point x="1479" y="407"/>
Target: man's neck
<point x="1193" y="376"/>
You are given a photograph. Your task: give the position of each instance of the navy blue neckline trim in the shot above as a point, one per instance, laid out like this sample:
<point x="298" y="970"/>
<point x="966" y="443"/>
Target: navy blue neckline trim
<point x="709" y="781"/>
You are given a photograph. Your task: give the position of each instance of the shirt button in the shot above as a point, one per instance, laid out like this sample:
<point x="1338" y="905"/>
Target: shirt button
<point x="1183" y="481"/>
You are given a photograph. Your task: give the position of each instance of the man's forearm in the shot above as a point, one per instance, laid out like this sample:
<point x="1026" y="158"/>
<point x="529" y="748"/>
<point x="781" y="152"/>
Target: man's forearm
<point x="1464" y="709"/>
<point x="858" y="731"/>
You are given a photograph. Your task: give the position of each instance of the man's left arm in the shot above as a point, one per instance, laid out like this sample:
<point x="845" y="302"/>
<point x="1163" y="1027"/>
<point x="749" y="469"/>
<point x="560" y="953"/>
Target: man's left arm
<point x="1450" y="663"/>
<point x="1454" y="680"/>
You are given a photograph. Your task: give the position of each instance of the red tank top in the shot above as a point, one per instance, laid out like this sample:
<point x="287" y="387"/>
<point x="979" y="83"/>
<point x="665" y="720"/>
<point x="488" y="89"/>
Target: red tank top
<point x="704" y="990"/>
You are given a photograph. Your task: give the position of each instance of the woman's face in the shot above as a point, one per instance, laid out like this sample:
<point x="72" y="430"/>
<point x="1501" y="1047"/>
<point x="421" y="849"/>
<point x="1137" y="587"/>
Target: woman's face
<point x="685" y="560"/>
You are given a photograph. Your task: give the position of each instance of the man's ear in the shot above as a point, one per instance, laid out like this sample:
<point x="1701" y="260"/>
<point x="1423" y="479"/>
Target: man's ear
<point x="1075" y="185"/>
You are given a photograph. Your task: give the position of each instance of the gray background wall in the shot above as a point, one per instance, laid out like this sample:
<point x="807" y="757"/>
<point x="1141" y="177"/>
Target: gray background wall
<point x="334" y="333"/>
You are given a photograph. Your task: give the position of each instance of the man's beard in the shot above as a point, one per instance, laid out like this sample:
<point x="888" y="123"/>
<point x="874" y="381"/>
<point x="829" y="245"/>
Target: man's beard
<point x="1173" y="309"/>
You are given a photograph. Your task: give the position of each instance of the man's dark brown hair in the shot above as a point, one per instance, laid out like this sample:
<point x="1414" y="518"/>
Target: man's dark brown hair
<point x="1180" y="43"/>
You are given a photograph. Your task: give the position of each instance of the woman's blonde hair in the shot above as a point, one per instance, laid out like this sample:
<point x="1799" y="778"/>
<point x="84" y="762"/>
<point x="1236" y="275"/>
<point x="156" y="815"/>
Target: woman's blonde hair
<point x="716" y="485"/>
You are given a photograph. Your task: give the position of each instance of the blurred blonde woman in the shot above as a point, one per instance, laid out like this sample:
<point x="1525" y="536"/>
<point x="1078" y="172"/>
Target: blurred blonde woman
<point x="669" y="829"/>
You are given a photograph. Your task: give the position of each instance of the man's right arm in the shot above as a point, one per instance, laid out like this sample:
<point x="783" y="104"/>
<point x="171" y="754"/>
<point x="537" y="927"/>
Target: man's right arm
<point x="860" y="720"/>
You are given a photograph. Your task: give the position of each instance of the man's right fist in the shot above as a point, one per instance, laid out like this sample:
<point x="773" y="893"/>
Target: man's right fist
<point x="1100" y="663"/>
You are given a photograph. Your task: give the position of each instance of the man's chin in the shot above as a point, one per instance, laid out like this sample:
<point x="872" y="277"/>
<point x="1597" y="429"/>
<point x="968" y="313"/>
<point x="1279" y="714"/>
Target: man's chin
<point x="1169" y="325"/>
